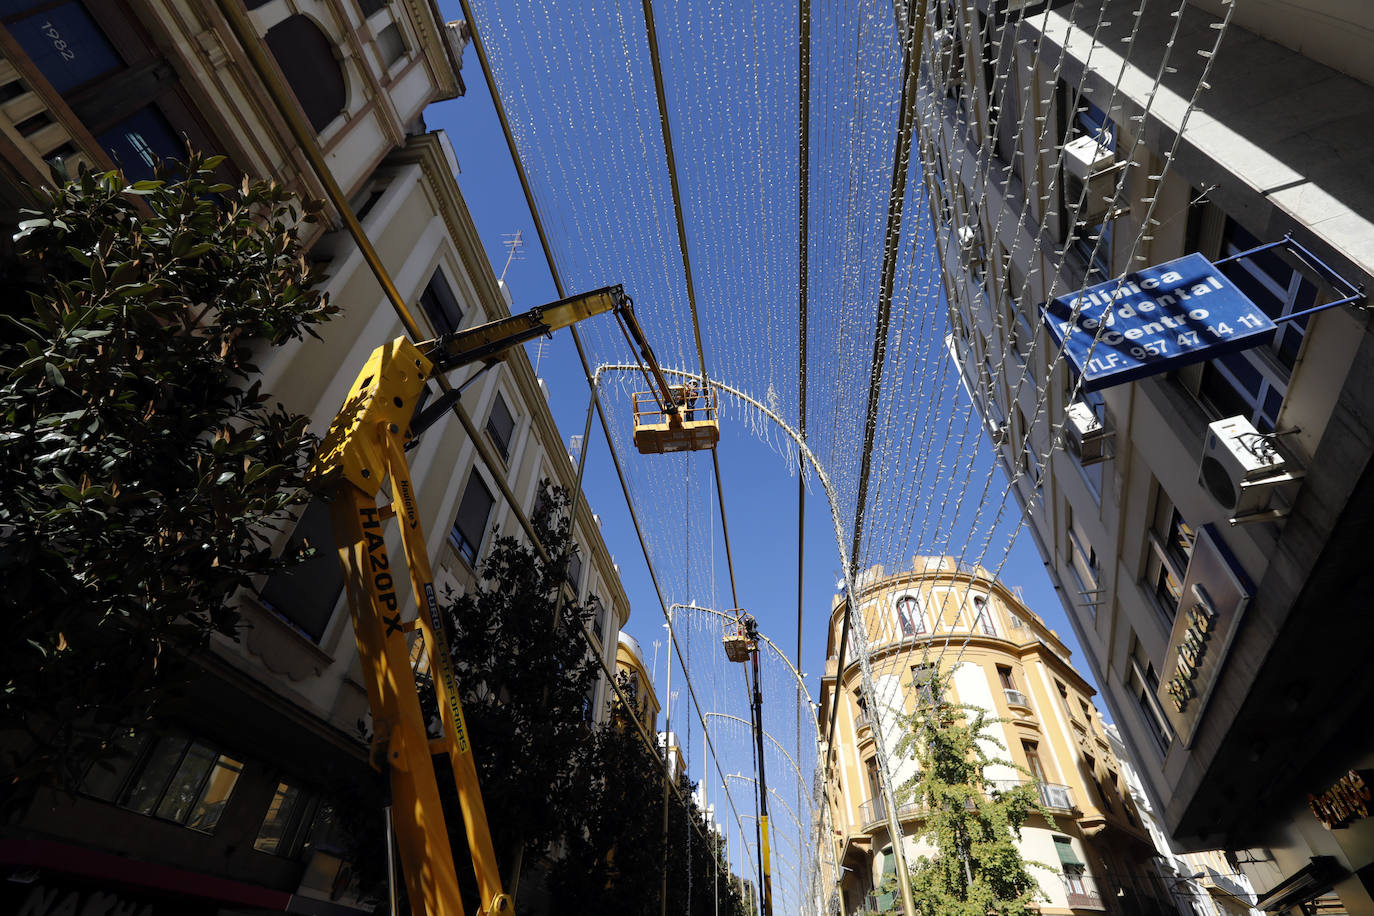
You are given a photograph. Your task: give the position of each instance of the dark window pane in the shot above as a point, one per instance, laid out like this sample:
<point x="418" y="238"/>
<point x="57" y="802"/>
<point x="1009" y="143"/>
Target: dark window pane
<point x="473" y="513"/>
<point x="66" y="45"/>
<point x="147" y="789"/>
<point x="306" y="57"/>
<point x="441" y="306"/>
<point x="184" y="789"/>
<point x="574" y="570"/>
<point x="272" y="836"/>
<point x="306" y="594"/>
<point x="106" y="776"/>
<point x="326" y="833"/>
<point x="501" y="425"/>
<point x="371" y="6"/>
<point x="137" y="142"/>
<point x="213" y="798"/>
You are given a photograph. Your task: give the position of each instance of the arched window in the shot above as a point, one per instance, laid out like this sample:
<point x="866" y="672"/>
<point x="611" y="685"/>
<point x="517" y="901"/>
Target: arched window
<point x="909" y="616"/>
<point x="306" y="57"/>
<point x="983" y="615"/>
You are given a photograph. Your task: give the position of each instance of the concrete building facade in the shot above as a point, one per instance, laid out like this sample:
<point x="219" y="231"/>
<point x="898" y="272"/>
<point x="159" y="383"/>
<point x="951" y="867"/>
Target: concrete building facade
<point x="1208" y="883"/>
<point x="240" y="802"/>
<point x="1052" y="133"/>
<point x="999" y="656"/>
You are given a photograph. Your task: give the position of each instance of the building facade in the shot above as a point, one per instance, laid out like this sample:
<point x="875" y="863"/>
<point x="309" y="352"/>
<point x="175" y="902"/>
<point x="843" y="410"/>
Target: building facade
<point x="965" y="625"/>
<point x="244" y="800"/>
<point x="636" y="682"/>
<point x="1208" y="883"/>
<point x="1052" y="135"/>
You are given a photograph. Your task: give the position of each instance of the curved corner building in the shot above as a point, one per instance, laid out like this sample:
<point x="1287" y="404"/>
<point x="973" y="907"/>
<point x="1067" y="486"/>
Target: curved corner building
<point x="999" y="656"/>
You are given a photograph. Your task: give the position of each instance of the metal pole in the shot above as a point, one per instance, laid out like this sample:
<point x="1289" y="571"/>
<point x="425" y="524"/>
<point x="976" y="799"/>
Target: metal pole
<point x="667" y="754"/>
<point x="765" y="868"/>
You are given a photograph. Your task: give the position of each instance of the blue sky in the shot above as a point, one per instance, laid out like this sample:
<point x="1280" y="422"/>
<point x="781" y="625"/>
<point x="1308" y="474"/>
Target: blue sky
<point x="599" y="179"/>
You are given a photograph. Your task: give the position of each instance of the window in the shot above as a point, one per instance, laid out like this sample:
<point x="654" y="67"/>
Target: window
<point x="1064" y="699"/>
<point x="306" y="58"/>
<point x="1144" y="684"/>
<point x="1004" y="676"/>
<point x="66" y="45"/>
<point x="1016" y="622"/>
<point x="371" y="6"/>
<point x="574" y="572"/>
<point x="924" y="680"/>
<point x="909" y="616"/>
<point x="1082" y="562"/>
<point x="1171" y="547"/>
<point x="1023" y="447"/>
<point x="501" y="426"/>
<point x="137" y="142"/>
<point x="982" y="616"/>
<point x="440" y="305"/>
<point x="598" y="613"/>
<point x="1088" y="716"/>
<point x="875" y="789"/>
<point x="391" y="44"/>
<point x="473" y="513"/>
<point x="306" y="595"/>
<point x="1032" y="751"/>
<point x="173" y="778"/>
<point x="286" y="823"/>
<point x="1253" y="383"/>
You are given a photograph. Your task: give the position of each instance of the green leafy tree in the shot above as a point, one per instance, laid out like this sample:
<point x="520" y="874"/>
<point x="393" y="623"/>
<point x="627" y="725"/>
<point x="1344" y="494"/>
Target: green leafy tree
<point x="525" y="675"/>
<point x="142" y="468"/>
<point x="614" y="864"/>
<point x="976" y="869"/>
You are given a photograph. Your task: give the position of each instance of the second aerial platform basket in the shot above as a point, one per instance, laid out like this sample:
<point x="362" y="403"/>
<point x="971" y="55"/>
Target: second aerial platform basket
<point x="693" y="426"/>
<point x="739" y="641"/>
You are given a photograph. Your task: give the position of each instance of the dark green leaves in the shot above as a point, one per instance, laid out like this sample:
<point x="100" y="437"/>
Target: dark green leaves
<point x="141" y="463"/>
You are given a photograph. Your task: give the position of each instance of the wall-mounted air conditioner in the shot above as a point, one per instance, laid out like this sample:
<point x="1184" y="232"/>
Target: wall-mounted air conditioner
<point x="1087" y="436"/>
<point x="1092" y="164"/>
<point x="944" y="56"/>
<point x="970" y="247"/>
<point x="1242" y="468"/>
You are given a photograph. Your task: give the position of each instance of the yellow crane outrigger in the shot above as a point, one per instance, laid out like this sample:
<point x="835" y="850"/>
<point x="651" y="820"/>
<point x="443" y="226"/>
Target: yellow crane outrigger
<point x="363" y="450"/>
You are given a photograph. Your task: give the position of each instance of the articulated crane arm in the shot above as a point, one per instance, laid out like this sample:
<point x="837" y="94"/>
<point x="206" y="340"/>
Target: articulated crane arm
<point x="363" y="450"/>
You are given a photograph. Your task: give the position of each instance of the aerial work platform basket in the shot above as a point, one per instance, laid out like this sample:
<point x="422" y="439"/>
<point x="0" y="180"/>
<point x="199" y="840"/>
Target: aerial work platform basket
<point x="693" y="426"/>
<point x="741" y="637"/>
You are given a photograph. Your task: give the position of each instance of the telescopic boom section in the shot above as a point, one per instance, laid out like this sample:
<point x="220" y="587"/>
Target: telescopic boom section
<point x="363" y="450"/>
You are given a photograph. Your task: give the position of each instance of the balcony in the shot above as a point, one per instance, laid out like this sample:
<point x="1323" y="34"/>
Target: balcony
<point x="874" y="811"/>
<point x="1015" y="697"/>
<point x="1211" y="878"/>
<point x="1083" y="900"/>
<point x="861" y="724"/>
<point x="1052" y="796"/>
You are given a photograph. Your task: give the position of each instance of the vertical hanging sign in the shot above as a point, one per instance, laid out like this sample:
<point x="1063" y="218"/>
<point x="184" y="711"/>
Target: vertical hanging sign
<point x="1180" y="312"/>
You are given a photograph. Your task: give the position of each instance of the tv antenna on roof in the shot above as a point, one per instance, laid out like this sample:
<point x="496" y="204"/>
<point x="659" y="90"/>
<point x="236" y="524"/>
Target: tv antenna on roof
<point x="513" y="242"/>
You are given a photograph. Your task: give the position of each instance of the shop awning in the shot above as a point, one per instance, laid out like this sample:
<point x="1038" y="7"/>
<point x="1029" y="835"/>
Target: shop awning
<point x="1312" y="880"/>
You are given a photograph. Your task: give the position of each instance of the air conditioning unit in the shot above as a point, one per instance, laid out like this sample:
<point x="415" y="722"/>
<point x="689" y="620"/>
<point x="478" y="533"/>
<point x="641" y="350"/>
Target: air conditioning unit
<point x="1088" y="437"/>
<point x="1241" y="468"/>
<point x="970" y="247"/>
<point x="1092" y="163"/>
<point x="944" y="56"/>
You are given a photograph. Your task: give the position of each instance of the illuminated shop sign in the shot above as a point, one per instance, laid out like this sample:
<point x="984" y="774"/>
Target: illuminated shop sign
<point x="1215" y="594"/>
<point x="1157" y="319"/>
<point x="1347" y="800"/>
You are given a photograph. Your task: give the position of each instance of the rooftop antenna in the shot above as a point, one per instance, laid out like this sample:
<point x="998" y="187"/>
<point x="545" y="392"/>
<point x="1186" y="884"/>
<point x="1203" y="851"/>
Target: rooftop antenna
<point x="513" y="242"/>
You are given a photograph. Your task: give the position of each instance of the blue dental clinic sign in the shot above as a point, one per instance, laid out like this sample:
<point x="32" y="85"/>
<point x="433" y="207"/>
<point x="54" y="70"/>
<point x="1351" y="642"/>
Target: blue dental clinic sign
<point x="1157" y="319"/>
